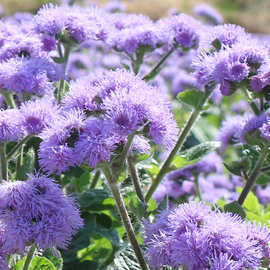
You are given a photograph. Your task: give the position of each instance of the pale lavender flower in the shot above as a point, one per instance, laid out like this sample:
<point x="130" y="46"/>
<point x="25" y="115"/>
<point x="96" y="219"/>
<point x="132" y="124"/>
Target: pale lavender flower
<point x="114" y="6"/>
<point x="230" y="132"/>
<point x="11" y="127"/>
<point x="37" y="115"/>
<point x="209" y="13"/>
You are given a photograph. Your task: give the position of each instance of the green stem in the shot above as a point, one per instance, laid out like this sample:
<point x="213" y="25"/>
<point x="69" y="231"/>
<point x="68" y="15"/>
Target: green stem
<point x="135" y="178"/>
<point x="124" y="215"/>
<point x="65" y="61"/>
<point x="19" y="164"/>
<point x="9" y="98"/>
<point x="198" y="189"/>
<point x="154" y="72"/>
<point x="185" y="132"/>
<point x="29" y="257"/>
<point x="255" y="173"/>
<point x="124" y="154"/>
<point x="18" y="146"/>
<point x="4" y="163"/>
<point x="95" y="179"/>
<point x="252" y="103"/>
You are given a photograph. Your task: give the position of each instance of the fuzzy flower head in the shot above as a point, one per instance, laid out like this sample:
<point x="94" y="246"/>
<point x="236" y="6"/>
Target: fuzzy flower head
<point x="37" y="210"/>
<point x="182" y="30"/>
<point x="80" y="24"/>
<point x="56" y="152"/>
<point x="200" y="238"/>
<point x="37" y="115"/>
<point x="11" y="127"/>
<point x="31" y="76"/>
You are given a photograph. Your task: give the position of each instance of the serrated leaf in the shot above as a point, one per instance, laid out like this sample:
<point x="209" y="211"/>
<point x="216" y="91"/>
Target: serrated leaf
<point x="191" y="97"/>
<point x="199" y="151"/>
<point x="37" y="263"/>
<point x="180" y="162"/>
<point x="235" y="208"/>
<point x="236" y="167"/>
<point x="55" y="259"/>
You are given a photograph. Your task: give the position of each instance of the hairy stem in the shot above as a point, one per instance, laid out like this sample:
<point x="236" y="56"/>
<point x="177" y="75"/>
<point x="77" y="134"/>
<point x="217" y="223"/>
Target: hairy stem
<point x="9" y="99"/>
<point x="19" y="163"/>
<point x="124" y="154"/>
<point x="135" y="179"/>
<point x="29" y="257"/>
<point x="124" y="215"/>
<point x="184" y="133"/>
<point x="255" y="173"/>
<point x="4" y="162"/>
<point x="154" y="72"/>
<point x="65" y="63"/>
<point x="18" y="146"/>
<point x="95" y="179"/>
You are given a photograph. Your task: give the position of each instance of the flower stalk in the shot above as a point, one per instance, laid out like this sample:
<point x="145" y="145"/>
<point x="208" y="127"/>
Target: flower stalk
<point x="124" y="215"/>
<point x="4" y="162"/>
<point x="185" y="132"/>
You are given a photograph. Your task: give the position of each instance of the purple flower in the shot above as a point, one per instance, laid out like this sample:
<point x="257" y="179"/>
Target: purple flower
<point x="265" y="128"/>
<point x="263" y="194"/>
<point x="252" y="125"/>
<point x="11" y="127"/>
<point x="33" y="76"/>
<point x="96" y="143"/>
<point x="37" y="210"/>
<point x="194" y="236"/>
<point x="230" y="132"/>
<point x="209" y="13"/>
<point x="182" y="30"/>
<point x="37" y="115"/>
<point x="56" y="152"/>
<point x="114" y="6"/>
<point x="81" y="24"/>
<point x="183" y="81"/>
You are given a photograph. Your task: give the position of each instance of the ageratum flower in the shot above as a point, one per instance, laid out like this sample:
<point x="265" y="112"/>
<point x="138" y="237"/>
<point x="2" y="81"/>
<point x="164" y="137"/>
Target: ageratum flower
<point x="37" y="115"/>
<point x="56" y="152"/>
<point x="81" y="24"/>
<point x="252" y="126"/>
<point x="230" y="132"/>
<point x="209" y="13"/>
<point x="37" y="211"/>
<point x="32" y="76"/>
<point x="182" y="30"/>
<point x="194" y="236"/>
<point x="11" y="127"/>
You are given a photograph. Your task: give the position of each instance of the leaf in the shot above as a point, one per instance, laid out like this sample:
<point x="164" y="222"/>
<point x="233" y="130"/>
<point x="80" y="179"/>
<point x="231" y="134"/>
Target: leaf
<point x="263" y="178"/>
<point x="235" y="208"/>
<point x="41" y="263"/>
<point x="180" y="162"/>
<point x="251" y="202"/>
<point x="28" y="165"/>
<point x="190" y="97"/>
<point x="91" y="198"/>
<point x="56" y="260"/>
<point x="37" y="263"/>
<point x="125" y="260"/>
<point x="237" y="167"/>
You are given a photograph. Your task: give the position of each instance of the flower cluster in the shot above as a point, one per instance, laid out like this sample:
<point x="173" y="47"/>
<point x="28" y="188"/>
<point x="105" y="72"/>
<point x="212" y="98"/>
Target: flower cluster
<point x="196" y="237"/>
<point x="36" y="211"/>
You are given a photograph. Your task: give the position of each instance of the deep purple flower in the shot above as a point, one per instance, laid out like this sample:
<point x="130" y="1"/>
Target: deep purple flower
<point x="252" y="125"/>
<point x="56" y="152"/>
<point x="37" y="210"/>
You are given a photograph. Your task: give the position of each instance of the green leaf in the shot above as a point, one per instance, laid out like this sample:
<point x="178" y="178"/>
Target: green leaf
<point x="37" y="263"/>
<point x="28" y="165"/>
<point x="57" y="261"/>
<point x="235" y="208"/>
<point x="199" y="151"/>
<point x="263" y="178"/>
<point x="251" y="202"/>
<point x="190" y="97"/>
<point x="91" y="198"/>
<point x="181" y="162"/>
<point x="125" y="260"/>
<point x="137" y="207"/>
<point x="236" y="167"/>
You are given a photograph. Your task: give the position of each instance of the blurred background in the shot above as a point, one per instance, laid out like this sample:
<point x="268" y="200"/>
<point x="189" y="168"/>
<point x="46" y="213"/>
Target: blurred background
<point x="252" y="14"/>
